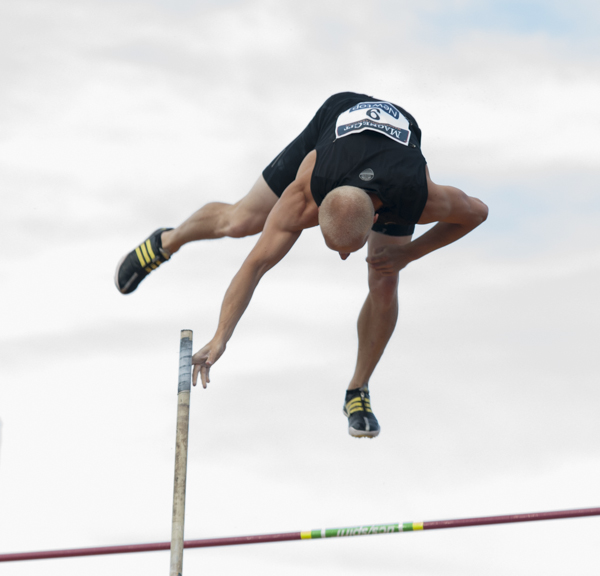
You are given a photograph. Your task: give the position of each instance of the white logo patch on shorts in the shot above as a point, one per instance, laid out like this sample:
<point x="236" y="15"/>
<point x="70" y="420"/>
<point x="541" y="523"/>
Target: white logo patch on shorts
<point x="381" y="117"/>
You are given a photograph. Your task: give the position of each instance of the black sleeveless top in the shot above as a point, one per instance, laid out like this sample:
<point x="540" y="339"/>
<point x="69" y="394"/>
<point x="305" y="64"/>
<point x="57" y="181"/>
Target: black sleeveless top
<point x="374" y="159"/>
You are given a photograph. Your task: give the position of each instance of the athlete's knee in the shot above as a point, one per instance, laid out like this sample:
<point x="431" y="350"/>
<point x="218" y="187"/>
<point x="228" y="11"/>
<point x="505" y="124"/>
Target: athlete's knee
<point x="242" y="225"/>
<point x="384" y="289"/>
<point x="238" y="230"/>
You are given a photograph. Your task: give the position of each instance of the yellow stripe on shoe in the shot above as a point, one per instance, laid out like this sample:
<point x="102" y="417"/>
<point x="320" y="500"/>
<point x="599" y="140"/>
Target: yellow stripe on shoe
<point x="354" y="402"/>
<point x="356" y="405"/>
<point x="145" y="253"/>
<point x="140" y="257"/>
<point x="150" y="251"/>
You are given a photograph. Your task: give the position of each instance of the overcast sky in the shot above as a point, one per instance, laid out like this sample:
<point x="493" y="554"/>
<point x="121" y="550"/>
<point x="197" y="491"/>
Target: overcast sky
<point x="120" y="117"/>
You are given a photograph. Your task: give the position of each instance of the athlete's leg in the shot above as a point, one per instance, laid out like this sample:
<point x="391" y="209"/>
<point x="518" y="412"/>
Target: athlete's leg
<point x="378" y="316"/>
<point x="214" y="220"/>
<point x="217" y="219"/>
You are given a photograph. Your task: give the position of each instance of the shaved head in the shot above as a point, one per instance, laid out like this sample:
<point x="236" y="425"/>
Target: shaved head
<point x="346" y="217"/>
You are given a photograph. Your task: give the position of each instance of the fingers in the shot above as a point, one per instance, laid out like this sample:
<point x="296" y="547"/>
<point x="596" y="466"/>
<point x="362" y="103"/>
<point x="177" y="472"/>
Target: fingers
<point x="213" y="356"/>
<point x="204" y="374"/>
<point x="200" y="362"/>
<point x="379" y="263"/>
<point x="376" y="262"/>
<point x="387" y="260"/>
<point x="203" y="370"/>
<point x="203" y="361"/>
<point x="379" y="257"/>
<point x="384" y="266"/>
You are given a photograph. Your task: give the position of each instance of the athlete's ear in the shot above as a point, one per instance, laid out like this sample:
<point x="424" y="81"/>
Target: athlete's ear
<point x="375" y="218"/>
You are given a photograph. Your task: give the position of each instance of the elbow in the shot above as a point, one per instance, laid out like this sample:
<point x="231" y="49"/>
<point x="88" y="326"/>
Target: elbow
<point x="483" y="212"/>
<point x="256" y="268"/>
<point x="479" y="212"/>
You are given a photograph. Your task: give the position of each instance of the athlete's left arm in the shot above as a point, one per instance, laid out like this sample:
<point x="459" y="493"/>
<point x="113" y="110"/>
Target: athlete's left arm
<point x="292" y="213"/>
<point x="456" y="215"/>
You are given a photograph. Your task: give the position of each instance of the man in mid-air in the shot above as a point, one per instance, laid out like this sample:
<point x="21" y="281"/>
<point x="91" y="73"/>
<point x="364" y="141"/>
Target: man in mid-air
<point x="358" y="172"/>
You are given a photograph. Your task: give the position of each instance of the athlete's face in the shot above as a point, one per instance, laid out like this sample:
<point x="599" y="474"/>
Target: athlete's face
<point x="345" y="251"/>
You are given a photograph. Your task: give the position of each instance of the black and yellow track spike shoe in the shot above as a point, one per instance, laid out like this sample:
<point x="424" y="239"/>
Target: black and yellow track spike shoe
<point x="361" y="420"/>
<point x="136" y="265"/>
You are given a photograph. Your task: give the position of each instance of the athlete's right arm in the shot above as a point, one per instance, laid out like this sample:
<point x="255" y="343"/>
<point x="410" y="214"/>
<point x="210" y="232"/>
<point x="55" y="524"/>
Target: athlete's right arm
<point x="282" y="228"/>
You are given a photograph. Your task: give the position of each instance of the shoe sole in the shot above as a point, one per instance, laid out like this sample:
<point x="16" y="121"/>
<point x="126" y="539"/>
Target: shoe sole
<point x="363" y="433"/>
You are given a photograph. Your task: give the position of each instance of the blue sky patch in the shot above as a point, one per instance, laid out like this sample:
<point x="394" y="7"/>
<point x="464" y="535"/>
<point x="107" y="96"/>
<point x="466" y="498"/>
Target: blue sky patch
<point x="578" y="20"/>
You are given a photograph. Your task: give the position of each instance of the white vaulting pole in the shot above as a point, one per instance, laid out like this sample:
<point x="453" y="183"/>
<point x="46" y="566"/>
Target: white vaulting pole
<point x="181" y="450"/>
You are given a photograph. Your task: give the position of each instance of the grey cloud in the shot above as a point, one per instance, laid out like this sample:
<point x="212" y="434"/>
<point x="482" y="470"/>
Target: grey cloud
<point x="86" y="342"/>
<point x="487" y="391"/>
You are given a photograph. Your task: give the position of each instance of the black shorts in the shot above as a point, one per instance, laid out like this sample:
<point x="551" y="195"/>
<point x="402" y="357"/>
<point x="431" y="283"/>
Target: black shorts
<point x="319" y="133"/>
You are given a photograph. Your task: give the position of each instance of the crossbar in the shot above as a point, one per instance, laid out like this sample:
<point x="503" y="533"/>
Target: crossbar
<point x="309" y="535"/>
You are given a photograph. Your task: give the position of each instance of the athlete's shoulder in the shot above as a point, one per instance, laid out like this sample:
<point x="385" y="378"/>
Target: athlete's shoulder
<point x="296" y="209"/>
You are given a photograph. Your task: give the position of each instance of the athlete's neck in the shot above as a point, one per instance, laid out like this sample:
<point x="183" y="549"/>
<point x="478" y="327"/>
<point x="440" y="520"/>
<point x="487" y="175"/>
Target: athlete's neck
<point x="377" y="203"/>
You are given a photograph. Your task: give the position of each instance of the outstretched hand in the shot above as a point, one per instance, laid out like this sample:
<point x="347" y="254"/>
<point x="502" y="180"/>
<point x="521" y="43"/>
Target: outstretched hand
<point x="389" y="260"/>
<point x="204" y="359"/>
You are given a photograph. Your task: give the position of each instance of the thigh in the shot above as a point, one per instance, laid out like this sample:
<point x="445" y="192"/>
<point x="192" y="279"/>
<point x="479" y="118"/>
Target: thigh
<point x="256" y="205"/>
<point x="280" y="173"/>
